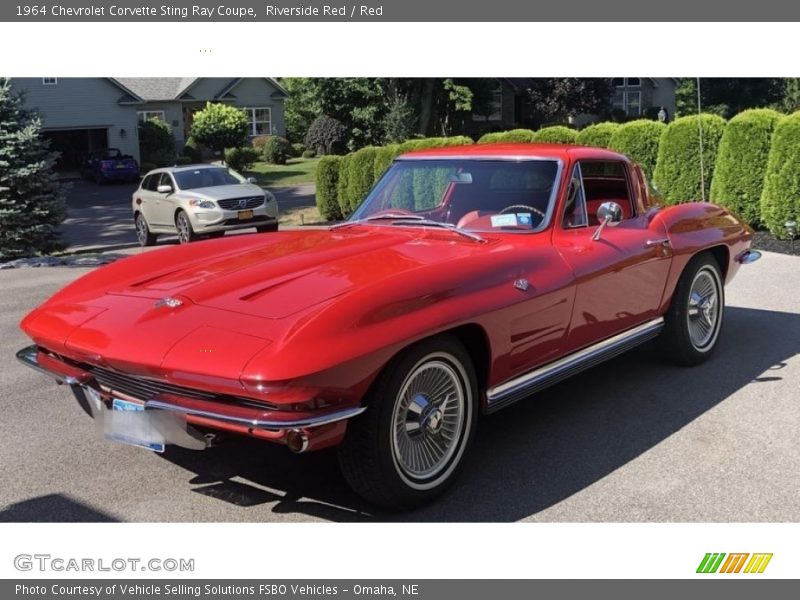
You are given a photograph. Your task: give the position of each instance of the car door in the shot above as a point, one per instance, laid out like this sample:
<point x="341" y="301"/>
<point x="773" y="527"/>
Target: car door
<point x="621" y="275"/>
<point x="165" y="202"/>
<point x="146" y="198"/>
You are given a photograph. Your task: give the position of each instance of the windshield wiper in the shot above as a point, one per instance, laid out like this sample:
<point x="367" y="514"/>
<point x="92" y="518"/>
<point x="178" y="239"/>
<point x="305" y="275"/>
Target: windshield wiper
<point x="381" y="217"/>
<point x="429" y="223"/>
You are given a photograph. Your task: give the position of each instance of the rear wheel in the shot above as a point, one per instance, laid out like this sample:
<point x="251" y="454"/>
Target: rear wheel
<point x="409" y="444"/>
<point x="694" y="319"/>
<point x="143" y="231"/>
<point x="186" y="233"/>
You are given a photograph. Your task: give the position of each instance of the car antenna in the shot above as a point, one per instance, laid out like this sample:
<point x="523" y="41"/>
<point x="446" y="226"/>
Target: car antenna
<point x="700" y="131"/>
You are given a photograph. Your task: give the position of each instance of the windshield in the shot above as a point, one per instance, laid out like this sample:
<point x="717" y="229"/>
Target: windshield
<point x="191" y="179"/>
<point x="472" y="194"/>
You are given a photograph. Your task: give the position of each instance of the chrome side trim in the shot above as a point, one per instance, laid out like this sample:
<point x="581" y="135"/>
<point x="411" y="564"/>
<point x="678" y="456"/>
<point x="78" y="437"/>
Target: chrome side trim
<point x="28" y="357"/>
<point x="314" y="421"/>
<point x="523" y="386"/>
<point x="748" y="257"/>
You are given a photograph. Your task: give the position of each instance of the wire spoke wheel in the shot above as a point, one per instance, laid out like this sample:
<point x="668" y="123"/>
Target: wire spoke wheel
<point x="703" y="314"/>
<point x="428" y="420"/>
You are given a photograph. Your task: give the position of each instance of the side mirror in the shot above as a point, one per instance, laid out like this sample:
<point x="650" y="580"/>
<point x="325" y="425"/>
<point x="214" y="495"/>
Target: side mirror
<point x="609" y="214"/>
<point x="164" y="189"/>
<point x="252" y="180"/>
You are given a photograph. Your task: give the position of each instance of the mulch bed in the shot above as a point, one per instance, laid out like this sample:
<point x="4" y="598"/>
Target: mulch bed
<point x="764" y="240"/>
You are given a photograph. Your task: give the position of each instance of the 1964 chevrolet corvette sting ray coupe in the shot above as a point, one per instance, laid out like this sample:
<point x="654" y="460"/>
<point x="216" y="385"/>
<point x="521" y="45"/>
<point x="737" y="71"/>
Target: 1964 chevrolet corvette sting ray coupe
<point x="468" y="279"/>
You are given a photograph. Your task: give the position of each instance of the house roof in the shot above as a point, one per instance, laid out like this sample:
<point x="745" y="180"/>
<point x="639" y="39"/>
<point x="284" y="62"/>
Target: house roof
<point x="152" y="89"/>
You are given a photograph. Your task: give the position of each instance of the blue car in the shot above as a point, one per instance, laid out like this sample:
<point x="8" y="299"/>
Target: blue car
<point x="110" y="165"/>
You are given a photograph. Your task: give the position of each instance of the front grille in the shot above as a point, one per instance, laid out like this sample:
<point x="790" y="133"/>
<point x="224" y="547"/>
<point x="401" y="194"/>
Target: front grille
<point x="241" y="203"/>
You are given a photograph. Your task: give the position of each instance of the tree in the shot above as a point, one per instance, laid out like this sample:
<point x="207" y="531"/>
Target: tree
<point x="556" y="99"/>
<point x="31" y="202"/>
<point x="727" y="96"/>
<point x="400" y="121"/>
<point x="156" y="144"/>
<point x="220" y="126"/>
<point x="324" y="135"/>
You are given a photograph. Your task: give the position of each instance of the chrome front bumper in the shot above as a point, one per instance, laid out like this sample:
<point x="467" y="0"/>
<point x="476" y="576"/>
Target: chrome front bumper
<point x="748" y="257"/>
<point x="252" y="418"/>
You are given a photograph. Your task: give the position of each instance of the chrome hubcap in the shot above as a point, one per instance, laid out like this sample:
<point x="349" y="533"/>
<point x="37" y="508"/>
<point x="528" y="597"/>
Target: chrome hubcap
<point x="428" y="420"/>
<point x="141" y="229"/>
<point x="704" y="309"/>
<point x="183" y="228"/>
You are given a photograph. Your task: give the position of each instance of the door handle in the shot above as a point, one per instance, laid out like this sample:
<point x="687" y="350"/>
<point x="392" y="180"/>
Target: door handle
<point x="661" y="242"/>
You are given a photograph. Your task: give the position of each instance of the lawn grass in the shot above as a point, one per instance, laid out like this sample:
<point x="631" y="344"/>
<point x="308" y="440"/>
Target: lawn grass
<point x="296" y="171"/>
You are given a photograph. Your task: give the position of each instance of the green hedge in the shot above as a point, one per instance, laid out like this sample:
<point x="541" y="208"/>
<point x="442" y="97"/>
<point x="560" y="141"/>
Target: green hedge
<point x="597" y="135"/>
<point x="326" y="189"/>
<point x="742" y="162"/>
<point x="360" y="177"/>
<point x="434" y="142"/>
<point x="524" y="136"/>
<point x="557" y="134"/>
<point x="342" y="185"/>
<point x="677" y="175"/>
<point x="780" y="199"/>
<point x="383" y="158"/>
<point x="639" y="141"/>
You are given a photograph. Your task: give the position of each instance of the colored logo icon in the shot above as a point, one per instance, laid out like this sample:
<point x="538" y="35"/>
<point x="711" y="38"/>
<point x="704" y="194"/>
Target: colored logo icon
<point x="741" y="562"/>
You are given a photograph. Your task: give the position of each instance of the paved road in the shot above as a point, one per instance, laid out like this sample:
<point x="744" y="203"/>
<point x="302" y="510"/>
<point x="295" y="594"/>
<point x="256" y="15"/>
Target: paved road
<point x="100" y="215"/>
<point x="633" y="440"/>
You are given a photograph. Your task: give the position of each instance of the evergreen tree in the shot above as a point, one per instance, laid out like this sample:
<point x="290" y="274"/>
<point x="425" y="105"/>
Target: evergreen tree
<point x="31" y="202"/>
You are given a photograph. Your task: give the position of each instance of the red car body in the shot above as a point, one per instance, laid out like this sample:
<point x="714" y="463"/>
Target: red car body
<point x="285" y="334"/>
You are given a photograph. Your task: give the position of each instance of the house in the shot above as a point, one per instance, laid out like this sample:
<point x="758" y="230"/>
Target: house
<point x="633" y="97"/>
<point x="84" y="114"/>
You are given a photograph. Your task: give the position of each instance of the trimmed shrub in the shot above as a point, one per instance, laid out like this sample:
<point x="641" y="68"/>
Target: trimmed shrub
<point x="557" y="134"/>
<point x="259" y="141"/>
<point x="241" y="159"/>
<point x="522" y="136"/>
<point x="742" y="162"/>
<point x="383" y="158"/>
<point x="192" y="150"/>
<point x="156" y="143"/>
<point x="277" y="150"/>
<point x="220" y="126"/>
<point x="325" y="135"/>
<point x="309" y="154"/>
<point x="639" y="141"/>
<point x="327" y="187"/>
<point x="780" y="200"/>
<point x="361" y="176"/>
<point x="342" y="186"/>
<point x="677" y="176"/>
<point x="597" y="135"/>
<point x="297" y="150"/>
<point x="434" y="142"/>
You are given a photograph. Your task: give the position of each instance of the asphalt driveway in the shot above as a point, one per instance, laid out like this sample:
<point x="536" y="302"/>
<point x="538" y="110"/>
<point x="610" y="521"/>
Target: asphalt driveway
<point x="632" y="440"/>
<point x="99" y="216"/>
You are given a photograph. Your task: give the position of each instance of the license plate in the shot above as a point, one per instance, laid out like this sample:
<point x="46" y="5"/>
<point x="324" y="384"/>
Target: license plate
<point x="120" y="165"/>
<point x="245" y="214"/>
<point x="129" y="423"/>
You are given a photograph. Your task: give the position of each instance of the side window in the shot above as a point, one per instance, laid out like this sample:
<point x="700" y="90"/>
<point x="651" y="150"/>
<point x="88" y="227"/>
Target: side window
<point x="146" y="182"/>
<point x="575" y="209"/>
<point x="166" y="179"/>
<point x="151" y="182"/>
<point x="606" y="181"/>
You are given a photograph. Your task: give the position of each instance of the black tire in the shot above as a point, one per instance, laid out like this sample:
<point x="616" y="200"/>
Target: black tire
<point x="375" y="454"/>
<point x="680" y="342"/>
<point x="186" y="233"/>
<point x="267" y="228"/>
<point x="143" y="234"/>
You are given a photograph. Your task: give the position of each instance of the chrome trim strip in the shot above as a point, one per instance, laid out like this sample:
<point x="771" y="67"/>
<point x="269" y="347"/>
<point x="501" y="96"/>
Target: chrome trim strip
<point x="533" y="381"/>
<point x="314" y="421"/>
<point x="28" y="357"/>
<point x="748" y="257"/>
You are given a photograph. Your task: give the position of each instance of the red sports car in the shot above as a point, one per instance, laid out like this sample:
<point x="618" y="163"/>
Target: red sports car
<point x="468" y="279"/>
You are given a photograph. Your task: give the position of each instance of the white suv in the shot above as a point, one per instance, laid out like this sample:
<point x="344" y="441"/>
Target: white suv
<point x="200" y="200"/>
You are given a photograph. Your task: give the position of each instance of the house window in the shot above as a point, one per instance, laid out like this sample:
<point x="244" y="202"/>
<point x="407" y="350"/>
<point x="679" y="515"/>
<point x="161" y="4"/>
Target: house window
<point x="494" y="107"/>
<point x="628" y="95"/>
<point x="146" y="115"/>
<point x="259" y="120"/>
<point x="49" y="80"/>
<point x="626" y="81"/>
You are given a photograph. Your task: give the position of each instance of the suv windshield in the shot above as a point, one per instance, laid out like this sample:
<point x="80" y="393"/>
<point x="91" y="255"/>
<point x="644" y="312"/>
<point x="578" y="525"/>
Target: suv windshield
<point x="473" y="194"/>
<point x="191" y="179"/>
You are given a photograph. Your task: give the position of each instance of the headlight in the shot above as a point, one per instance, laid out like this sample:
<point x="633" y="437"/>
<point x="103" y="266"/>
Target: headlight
<point x="200" y="203"/>
<point x="268" y="197"/>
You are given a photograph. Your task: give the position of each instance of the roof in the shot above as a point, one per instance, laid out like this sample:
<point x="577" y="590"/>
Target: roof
<point x="154" y="89"/>
<point x="559" y="151"/>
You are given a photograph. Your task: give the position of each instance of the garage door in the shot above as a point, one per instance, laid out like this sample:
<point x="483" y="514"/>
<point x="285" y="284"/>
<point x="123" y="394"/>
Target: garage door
<point x="75" y="145"/>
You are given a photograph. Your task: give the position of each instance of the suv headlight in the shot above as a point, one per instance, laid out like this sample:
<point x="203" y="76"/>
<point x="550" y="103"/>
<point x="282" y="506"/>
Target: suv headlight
<point x="200" y="203"/>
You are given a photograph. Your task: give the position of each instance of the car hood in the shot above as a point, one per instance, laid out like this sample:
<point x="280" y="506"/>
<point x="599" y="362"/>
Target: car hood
<point x="294" y="271"/>
<point x="220" y="192"/>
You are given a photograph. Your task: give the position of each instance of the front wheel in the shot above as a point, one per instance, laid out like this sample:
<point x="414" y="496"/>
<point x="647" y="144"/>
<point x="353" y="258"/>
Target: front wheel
<point x="694" y="319"/>
<point x="409" y="444"/>
<point x="186" y="232"/>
